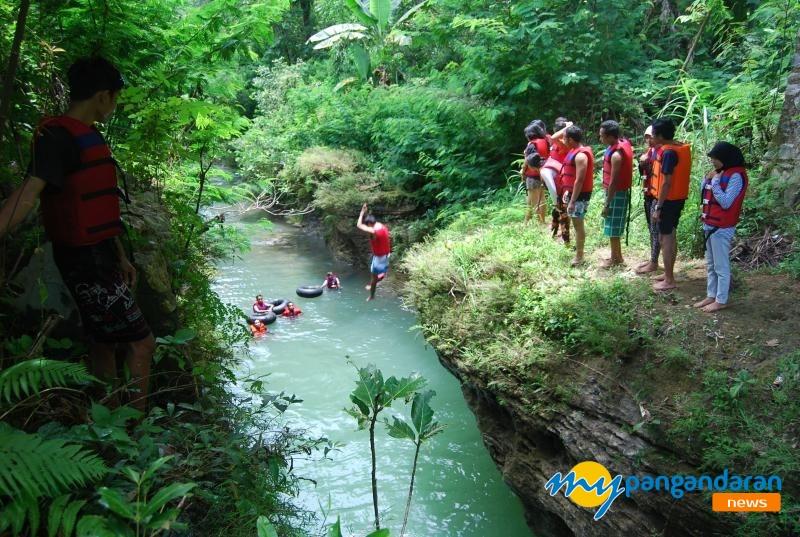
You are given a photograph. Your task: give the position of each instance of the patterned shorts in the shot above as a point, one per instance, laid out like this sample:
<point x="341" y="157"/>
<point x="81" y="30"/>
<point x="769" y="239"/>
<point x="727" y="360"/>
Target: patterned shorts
<point x="581" y="206"/>
<point x="533" y="183"/>
<point x="108" y="310"/>
<point x="617" y="214"/>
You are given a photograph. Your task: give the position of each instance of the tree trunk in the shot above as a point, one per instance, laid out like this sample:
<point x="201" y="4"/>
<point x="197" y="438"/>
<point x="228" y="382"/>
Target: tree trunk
<point x="374" y="467"/>
<point x="786" y="159"/>
<point x="411" y="488"/>
<point x="13" y="62"/>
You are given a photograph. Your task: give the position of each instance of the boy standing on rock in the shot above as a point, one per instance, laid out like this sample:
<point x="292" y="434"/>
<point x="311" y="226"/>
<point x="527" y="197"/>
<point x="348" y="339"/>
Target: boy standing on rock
<point x="75" y="177"/>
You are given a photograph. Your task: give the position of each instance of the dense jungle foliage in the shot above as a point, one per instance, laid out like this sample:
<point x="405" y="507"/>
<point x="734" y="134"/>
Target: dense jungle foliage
<point x="419" y="108"/>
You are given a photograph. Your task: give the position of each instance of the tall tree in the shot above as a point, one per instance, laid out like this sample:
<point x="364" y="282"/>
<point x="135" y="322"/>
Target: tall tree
<point x="13" y="62"/>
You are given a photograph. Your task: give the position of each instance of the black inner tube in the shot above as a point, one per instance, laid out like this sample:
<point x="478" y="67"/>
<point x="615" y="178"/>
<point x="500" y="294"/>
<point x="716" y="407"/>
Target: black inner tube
<point x="278" y="305"/>
<point x="309" y="291"/>
<point x="266" y="318"/>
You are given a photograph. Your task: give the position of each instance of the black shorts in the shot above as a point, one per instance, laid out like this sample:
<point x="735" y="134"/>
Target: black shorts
<point x="670" y="215"/>
<point x="108" y="311"/>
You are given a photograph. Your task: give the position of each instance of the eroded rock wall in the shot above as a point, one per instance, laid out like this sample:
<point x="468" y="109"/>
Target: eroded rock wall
<point x="787" y="152"/>
<point x="597" y="425"/>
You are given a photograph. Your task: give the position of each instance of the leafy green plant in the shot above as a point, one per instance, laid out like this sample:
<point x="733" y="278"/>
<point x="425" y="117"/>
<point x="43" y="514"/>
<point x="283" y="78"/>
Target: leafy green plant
<point x="145" y="514"/>
<point x="378" y="26"/>
<point x="31" y="376"/>
<point x="372" y="396"/>
<point x="421" y="429"/>
<point x="32" y="467"/>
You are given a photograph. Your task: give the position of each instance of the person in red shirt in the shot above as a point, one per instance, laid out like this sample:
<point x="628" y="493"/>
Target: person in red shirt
<point x="576" y="182"/>
<point x="381" y="244"/>
<point x="74" y="174"/>
<point x="291" y="310"/>
<point x="559" y="225"/>
<point x="617" y="179"/>
<point x="538" y="144"/>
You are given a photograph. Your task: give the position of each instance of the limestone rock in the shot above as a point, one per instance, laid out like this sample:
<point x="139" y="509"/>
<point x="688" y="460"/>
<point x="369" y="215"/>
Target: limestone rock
<point x="597" y="425"/>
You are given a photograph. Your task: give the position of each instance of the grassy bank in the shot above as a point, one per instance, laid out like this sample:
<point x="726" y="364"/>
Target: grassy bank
<point x="498" y="300"/>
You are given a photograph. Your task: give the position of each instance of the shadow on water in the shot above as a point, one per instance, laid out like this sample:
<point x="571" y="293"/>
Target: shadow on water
<point x="458" y="490"/>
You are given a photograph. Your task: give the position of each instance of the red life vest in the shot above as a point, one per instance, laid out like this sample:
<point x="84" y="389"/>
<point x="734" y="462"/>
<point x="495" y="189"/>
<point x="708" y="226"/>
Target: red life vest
<point x="380" y="241"/>
<point x="568" y="171"/>
<point x="330" y="281"/>
<point x="626" y="169"/>
<point x="542" y="146"/>
<point x="712" y="212"/>
<point x="558" y="151"/>
<point x="86" y="210"/>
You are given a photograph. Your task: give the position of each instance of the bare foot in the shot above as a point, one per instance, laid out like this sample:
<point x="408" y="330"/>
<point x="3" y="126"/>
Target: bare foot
<point x="664" y="285"/>
<point x="714" y="306"/>
<point x="646" y="268"/>
<point x="703" y="303"/>
<point x="576" y="262"/>
<point x="658" y="277"/>
<point x="609" y="263"/>
<point x="369" y="298"/>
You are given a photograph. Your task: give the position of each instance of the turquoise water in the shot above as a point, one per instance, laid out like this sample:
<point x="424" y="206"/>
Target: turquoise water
<point x="458" y="490"/>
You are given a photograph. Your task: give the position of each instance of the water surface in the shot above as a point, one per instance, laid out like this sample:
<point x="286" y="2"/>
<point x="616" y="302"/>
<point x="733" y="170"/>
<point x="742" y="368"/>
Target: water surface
<point x="458" y="490"/>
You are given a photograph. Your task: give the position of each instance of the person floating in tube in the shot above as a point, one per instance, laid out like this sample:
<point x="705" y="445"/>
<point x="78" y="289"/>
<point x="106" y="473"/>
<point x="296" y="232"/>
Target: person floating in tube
<point x="260" y="307"/>
<point x="331" y="281"/>
<point x="291" y="310"/>
<point x="381" y="244"/>
<point x="257" y="327"/>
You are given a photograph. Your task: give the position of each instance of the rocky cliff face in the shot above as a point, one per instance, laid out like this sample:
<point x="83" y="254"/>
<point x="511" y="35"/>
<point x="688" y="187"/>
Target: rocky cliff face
<point x="529" y="448"/>
<point x="787" y="153"/>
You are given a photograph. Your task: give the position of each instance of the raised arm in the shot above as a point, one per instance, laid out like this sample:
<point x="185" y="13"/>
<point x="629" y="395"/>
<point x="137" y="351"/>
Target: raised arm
<point x="559" y="135"/>
<point x="360" y="223"/>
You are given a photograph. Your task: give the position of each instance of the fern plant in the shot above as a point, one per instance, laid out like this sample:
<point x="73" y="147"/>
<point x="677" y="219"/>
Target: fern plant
<point x="29" y="377"/>
<point x="33" y="467"/>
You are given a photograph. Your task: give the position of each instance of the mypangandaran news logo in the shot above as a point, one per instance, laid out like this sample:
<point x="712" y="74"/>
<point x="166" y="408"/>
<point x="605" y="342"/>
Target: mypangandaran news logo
<point x="589" y="484"/>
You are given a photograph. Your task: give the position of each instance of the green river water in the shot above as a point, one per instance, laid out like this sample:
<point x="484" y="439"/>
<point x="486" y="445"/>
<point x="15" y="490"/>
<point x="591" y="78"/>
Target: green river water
<point x="458" y="489"/>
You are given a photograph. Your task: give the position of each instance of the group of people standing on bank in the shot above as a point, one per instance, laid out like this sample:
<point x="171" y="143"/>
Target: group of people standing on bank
<point x="561" y="164"/>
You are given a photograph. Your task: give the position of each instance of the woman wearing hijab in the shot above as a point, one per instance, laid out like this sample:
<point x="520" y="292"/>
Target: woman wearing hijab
<point x="722" y="196"/>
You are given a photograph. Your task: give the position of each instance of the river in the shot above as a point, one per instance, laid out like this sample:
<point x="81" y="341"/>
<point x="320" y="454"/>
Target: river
<point x="458" y="490"/>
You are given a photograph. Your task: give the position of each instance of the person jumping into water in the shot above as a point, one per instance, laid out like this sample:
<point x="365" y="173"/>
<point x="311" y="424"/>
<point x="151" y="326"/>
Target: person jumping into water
<point x="381" y="244"/>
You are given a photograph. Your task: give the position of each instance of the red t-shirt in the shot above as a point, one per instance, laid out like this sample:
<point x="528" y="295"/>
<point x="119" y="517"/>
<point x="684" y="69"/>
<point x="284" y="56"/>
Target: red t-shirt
<point x="381" y="242"/>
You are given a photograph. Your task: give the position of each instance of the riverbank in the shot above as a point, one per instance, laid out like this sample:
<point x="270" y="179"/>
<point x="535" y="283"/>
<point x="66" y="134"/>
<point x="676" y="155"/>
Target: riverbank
<point x="195" y="462"/>
<point x="563" y="365"/>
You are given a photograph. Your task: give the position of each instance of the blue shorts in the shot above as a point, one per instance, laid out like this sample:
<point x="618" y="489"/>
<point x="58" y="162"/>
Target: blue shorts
<point x="380" y="264"/>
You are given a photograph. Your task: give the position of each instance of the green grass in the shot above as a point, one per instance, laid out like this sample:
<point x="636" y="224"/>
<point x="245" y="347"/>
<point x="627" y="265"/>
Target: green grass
<point x="500" y="300"/>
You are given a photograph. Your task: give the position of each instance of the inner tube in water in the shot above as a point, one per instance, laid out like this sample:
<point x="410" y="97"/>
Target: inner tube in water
<point x="266" y="318"/>
<point x="309" y="291"/>
<point x="278" y="305"/>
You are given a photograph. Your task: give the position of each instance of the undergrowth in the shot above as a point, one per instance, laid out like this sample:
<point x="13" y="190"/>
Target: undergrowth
<point x="498" y="298"/>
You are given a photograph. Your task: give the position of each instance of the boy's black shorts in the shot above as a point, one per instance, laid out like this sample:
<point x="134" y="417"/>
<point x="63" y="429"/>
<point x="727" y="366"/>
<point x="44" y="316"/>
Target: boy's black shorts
<point x="108" y="311"/>
<point x="670" y="215"/>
